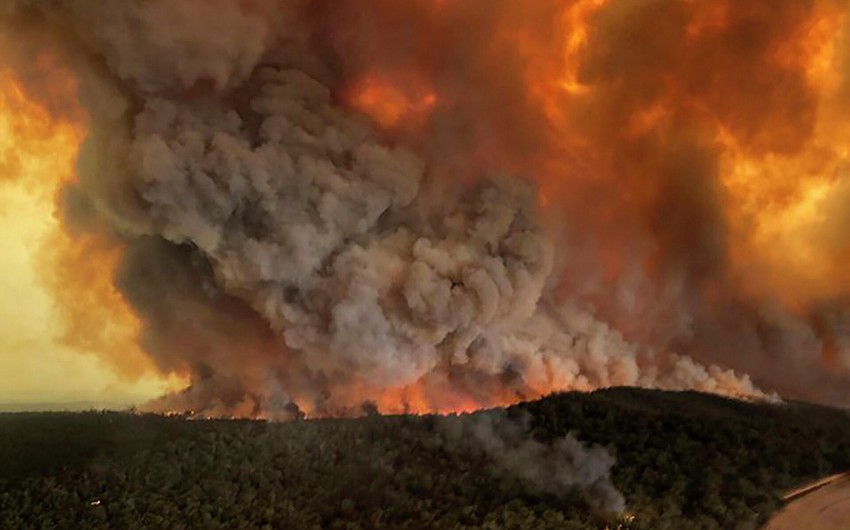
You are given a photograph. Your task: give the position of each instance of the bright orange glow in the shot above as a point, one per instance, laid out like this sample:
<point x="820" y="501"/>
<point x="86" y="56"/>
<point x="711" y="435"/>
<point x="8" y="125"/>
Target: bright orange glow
<point x="776" y="203"/>
<point x="779" y="204"/>
<point x="24" y="127"/>
<point x="59" y="305"/>
<point x="553" y="78"/>
<point x="389" y="105"/>
<point x="577" y="28"/>
<point x="426" y="397"/>
<point x="78" y="273"/>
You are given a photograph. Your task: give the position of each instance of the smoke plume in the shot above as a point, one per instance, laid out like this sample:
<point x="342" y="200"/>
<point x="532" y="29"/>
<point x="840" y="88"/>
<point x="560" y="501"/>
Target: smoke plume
<point x="554" y="468"/>
<point x="438" y="205"/>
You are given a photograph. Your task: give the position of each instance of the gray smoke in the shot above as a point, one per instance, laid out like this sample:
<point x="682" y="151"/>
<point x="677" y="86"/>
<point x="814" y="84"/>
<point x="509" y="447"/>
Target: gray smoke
<point x="555" y="468"/>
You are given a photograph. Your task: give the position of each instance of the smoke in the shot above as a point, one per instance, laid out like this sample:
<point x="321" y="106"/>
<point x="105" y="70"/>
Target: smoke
<point x="553" y="468"/>
<point x="435" y="205"/>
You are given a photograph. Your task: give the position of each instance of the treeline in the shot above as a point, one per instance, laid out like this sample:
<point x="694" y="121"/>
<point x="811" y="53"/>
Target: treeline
<point x="698" y="461"/>
<point x="684" y="460"/>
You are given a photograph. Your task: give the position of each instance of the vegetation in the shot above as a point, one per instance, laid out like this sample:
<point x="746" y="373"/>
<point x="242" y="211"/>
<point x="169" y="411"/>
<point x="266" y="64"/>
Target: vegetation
<point x="684" y="460"/>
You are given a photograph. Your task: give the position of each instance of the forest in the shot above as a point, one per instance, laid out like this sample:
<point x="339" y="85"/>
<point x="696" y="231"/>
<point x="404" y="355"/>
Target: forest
<point x="678" y="460"/>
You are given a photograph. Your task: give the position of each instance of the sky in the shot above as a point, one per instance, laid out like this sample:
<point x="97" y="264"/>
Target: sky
<point x="34" y="365"/>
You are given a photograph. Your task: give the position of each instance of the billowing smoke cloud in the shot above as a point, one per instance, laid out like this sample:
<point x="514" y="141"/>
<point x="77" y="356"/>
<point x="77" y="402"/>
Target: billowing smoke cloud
<point x="435" y="205"/>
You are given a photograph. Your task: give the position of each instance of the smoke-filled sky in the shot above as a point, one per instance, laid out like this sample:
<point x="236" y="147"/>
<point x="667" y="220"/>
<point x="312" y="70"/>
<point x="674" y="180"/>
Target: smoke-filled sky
<point x="34" y="366"/>
<point x="37" y="362"/>
<point x="428" y="205"/>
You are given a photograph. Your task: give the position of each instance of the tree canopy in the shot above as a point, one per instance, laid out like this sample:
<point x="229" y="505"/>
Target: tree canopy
<point x="683" y="460"/>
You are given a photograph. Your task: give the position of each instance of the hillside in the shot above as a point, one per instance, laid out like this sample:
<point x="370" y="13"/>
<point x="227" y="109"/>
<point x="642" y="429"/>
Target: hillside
<point x="683" y="460"/>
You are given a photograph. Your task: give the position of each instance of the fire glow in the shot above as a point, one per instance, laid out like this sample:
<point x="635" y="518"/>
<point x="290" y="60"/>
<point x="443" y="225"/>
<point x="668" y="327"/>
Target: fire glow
<point x="73" y="271"/>
<point x="310" y="209"/>
<point x="390" y="106"/>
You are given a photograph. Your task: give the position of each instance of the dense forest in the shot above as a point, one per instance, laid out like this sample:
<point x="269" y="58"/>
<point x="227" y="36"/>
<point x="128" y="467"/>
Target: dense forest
<point x="683" y="461"/>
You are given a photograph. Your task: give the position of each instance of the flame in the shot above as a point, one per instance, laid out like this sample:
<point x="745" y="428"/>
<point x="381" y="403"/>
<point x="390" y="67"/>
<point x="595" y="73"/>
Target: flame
<point x="422" y="398"/>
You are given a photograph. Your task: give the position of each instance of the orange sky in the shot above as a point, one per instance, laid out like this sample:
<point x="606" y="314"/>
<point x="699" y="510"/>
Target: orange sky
<point x="36" y="363"/>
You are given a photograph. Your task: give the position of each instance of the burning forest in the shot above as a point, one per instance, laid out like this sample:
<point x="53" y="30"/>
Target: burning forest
<point x="323" y="207"/>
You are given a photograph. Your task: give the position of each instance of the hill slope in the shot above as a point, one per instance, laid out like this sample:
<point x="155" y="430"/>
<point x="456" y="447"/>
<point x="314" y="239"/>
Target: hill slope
<point x="683" y="460"/>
